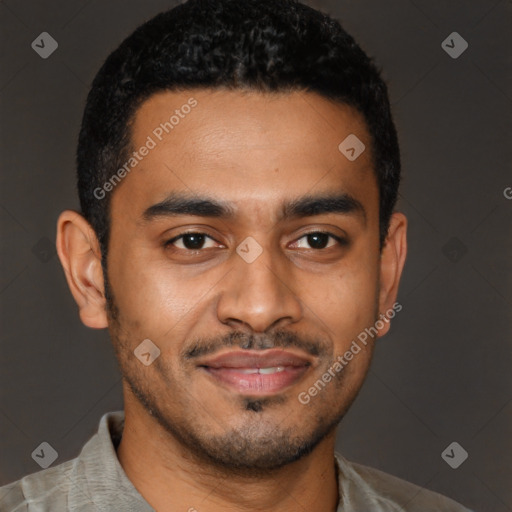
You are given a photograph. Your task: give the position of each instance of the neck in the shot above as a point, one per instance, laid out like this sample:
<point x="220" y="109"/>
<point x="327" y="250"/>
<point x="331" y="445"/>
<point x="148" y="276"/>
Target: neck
<point x="171" y="480"/>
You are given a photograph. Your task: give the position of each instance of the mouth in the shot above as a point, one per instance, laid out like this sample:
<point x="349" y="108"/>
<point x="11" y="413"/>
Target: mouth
<point x="257" y="373"/>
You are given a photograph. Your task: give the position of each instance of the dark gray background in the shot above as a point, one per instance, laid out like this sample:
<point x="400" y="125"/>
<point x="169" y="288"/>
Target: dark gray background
<point x="442" y="374"/>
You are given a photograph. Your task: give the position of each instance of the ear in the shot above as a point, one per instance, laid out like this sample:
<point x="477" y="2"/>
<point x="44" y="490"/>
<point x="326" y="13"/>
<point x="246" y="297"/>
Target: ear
<point x="79" y="253"/>
<point x="392" y="260"/>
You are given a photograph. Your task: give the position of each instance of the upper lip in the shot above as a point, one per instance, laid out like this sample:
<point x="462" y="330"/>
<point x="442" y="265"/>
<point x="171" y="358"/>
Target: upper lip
<point x="251" y="359"/>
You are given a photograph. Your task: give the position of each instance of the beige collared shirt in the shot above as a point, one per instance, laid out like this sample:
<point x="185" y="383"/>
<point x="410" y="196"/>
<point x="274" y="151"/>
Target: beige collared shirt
<point x="95" y="482"/>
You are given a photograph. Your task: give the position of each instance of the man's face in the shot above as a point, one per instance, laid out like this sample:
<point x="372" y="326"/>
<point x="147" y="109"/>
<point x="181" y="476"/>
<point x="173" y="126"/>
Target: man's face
<point x="291" y="296"/>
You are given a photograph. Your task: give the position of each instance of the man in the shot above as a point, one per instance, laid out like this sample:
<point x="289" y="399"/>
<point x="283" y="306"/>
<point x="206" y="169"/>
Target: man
<point x="238" y="169"/>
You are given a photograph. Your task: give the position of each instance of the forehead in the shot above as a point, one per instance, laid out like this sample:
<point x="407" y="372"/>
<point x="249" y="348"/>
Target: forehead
<point x="244" y="147"/>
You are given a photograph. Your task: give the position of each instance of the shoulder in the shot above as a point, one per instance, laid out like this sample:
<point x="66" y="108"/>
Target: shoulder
<point x="44" y="490"/>
<point x="393" y="493"/>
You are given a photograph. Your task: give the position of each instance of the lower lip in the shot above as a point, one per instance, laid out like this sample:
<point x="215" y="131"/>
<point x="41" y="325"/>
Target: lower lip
<point x="257" y="383"/>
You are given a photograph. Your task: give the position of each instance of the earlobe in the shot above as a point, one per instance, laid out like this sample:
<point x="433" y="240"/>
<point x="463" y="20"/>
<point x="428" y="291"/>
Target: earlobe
<point x="80" y="256"/>
<point x="392" y="262"/>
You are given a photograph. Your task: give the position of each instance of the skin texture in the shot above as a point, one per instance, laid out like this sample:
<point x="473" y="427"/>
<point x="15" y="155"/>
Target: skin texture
<point x="190" y="442"/>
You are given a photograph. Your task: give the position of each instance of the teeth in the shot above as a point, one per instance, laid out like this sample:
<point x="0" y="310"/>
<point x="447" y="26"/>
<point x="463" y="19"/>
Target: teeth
<point x="264" y="371"/>
<point x="274" y="369"/>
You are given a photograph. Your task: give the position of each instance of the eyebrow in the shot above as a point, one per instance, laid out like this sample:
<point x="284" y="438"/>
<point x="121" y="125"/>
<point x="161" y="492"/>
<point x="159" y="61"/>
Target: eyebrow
<point x="176" y="204"/>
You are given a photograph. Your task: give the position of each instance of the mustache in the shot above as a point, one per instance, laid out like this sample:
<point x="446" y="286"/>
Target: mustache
<point x="279" y="339"/>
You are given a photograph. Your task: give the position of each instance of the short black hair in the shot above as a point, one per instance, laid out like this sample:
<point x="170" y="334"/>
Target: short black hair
<point x="259" y="45"/>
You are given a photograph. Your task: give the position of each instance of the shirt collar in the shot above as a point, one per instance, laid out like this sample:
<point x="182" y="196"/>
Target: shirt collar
<point x="97" y="471"/>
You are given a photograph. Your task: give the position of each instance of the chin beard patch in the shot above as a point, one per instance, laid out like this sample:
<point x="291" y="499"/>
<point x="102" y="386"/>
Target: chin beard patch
<point x="253" y="405"/>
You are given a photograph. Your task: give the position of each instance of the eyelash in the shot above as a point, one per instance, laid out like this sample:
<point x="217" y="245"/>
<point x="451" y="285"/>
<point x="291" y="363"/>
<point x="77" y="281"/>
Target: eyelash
<point x="341" y="241"/>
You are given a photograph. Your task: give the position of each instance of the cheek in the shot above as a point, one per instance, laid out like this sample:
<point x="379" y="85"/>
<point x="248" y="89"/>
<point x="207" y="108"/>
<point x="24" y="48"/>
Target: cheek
<point x="141" y="283"/>
<point x="156" y="300"/>
<point x="345" y="299"/>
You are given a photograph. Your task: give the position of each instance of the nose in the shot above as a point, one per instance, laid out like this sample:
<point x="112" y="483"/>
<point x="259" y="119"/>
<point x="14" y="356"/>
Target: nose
<point x="259" y="295"/>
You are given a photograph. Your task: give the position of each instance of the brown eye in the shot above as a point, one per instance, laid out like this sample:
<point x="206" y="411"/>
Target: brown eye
<point x="320" y="240"/>
<point x="192" y="241"/>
